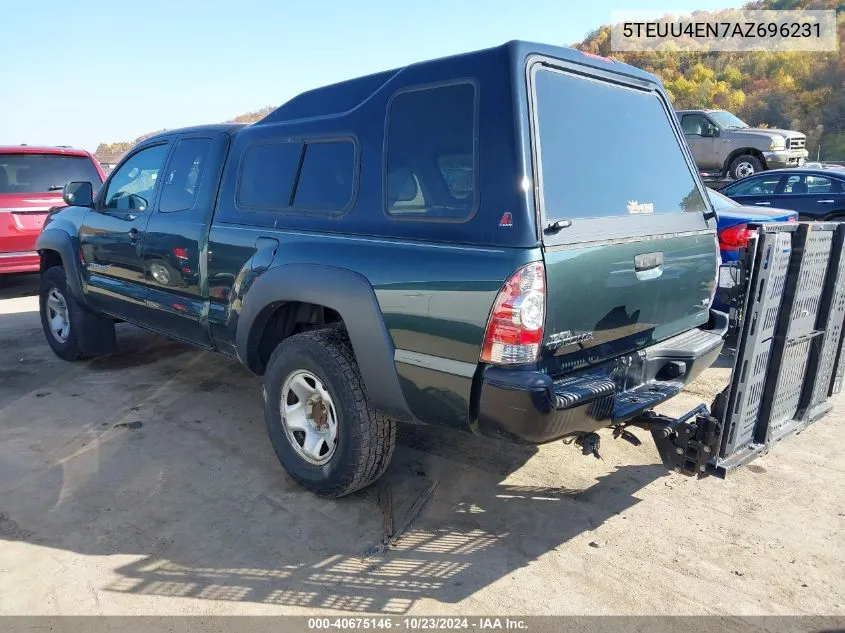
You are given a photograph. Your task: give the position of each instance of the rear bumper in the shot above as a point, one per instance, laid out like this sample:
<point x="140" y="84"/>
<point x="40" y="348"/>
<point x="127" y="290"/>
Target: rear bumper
<point x="532" y="407"/>
<point x="24" y="262"/>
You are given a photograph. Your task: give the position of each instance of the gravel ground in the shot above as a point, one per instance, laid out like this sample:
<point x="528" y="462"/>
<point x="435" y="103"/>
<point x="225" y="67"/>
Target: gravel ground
<point x="144" y="484"/>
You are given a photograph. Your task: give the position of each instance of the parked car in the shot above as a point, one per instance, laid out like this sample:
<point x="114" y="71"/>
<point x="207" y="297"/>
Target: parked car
<point x="816" y="194"/>
<point x="355" y="249"/>
<point x="31" y="182"/>
<point x="817" y="165"/>
<point x="734" y="234"/>
<point x="725" y="145"/>
<point x="734" y="218"/>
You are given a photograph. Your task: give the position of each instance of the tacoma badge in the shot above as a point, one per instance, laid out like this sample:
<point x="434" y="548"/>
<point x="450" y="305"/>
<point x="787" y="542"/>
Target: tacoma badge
<point x="562" y="339"/>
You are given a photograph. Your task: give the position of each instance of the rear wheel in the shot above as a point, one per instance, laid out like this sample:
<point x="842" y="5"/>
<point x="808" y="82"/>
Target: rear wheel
<point x="326" y="434"/>
<point x="72" y="332"/>
<point x="744" y="166"/>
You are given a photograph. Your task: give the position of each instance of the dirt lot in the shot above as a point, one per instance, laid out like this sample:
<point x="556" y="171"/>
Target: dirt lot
<point x="144" y="484"/>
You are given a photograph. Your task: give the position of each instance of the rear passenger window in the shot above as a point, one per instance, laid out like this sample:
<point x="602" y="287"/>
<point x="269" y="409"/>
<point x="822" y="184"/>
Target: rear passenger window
<point x="431" y="158"/>
<point x="327" y="176"/>
<point x="820" y="184"/>
<point x="268" y="172"/>
<point x="183" y="176"/>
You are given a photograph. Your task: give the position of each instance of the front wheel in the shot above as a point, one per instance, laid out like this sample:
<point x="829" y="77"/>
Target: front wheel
<point x="744" y="166"/>
<point x="72" y="332"/>
<point x="326" y="434"/>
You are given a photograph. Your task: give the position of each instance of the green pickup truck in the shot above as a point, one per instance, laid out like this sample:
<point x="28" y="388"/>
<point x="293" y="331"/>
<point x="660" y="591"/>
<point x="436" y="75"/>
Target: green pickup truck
<point x="723" y="145"/>
<point x="431" y="244"/>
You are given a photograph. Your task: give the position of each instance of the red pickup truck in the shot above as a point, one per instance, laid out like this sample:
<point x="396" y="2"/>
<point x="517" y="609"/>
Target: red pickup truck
<point x="31" y="182"/>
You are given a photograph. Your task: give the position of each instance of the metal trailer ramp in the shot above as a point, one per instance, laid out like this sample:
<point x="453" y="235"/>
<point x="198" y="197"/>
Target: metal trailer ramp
<point x="789" y="359"/>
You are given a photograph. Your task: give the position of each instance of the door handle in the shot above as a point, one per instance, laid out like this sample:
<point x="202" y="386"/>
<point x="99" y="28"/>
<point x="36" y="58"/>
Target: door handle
<point x="648" y="265"/>
<point x="825" y="201"/>
<point x="133" y="234"/>
<point x="766" y="203"/>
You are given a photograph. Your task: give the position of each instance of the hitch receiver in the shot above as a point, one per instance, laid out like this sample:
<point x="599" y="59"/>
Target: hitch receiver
<point x="685" y="444"/>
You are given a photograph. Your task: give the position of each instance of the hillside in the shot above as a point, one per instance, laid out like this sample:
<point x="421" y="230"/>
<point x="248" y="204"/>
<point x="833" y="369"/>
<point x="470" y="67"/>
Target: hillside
<point x="121" y="147"/>
<point x="800" y="91"/>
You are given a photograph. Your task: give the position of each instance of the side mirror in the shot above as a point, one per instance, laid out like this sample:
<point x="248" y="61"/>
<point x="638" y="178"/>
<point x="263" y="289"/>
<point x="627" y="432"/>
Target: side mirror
<point x="710" y="131"/>
<point x="78" y="194"/>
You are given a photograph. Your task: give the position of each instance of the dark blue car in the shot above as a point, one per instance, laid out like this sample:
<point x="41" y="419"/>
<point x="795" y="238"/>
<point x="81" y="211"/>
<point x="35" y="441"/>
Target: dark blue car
<point x="816" y="194"/>
<point x="732" y="227"/>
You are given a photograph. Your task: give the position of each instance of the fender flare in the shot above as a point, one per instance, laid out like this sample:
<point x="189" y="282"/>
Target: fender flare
<point x="61" y="242"/>
<point x="350" y="295"/>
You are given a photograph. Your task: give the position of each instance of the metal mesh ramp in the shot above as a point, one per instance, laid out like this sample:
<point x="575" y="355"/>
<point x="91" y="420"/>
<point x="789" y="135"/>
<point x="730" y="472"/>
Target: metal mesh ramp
<point x="771" y="259"/>
<point x="789" y="350"/>
<point x="825" y="351"/>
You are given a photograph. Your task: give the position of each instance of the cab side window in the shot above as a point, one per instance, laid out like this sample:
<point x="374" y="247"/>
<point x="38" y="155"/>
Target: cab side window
<point x="132" y="186"/>
<point x="694" y="124"/>
<point x="183" y="176"/>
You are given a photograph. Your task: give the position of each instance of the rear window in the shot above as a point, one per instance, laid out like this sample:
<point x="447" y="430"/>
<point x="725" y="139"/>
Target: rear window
<point x="431" y="154"/>
<point x="40" y="173"/>
<point x="607" y="150"/>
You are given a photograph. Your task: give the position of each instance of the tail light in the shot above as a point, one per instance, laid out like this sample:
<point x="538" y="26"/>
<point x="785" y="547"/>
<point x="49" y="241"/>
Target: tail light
<point x="735" y="237"/>
<point x="180" y="253"/>
<point x="515" y="328"/>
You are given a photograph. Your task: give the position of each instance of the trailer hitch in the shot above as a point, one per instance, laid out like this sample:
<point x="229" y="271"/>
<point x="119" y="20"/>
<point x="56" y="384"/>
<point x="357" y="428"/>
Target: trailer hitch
<point x="685" y="444"/>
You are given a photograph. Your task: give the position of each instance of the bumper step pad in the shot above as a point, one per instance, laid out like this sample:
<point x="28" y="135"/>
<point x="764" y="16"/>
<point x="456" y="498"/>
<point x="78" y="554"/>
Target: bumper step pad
<point x="615" y="405"/>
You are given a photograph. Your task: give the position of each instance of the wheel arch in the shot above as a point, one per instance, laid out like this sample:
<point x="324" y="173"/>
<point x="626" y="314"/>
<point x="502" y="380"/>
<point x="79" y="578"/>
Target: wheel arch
<point x="750" y="151"/>
<point x="57" y="248"/>
<point x="350" y="299"/>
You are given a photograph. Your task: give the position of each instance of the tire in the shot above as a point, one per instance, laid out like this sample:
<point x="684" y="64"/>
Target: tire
<point x="744" y="166"/>
<point x="364" y="439"/>
<point x="86" y="335"/>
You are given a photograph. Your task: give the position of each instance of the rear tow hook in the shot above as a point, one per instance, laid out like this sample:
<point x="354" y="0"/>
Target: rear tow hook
<point x="685" y="444"/>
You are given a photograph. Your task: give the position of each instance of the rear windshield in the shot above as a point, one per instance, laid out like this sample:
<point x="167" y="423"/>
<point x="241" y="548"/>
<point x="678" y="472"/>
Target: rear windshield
<point x="607" y="150"/>
<point x="39" y="173"/>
